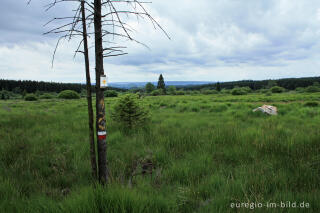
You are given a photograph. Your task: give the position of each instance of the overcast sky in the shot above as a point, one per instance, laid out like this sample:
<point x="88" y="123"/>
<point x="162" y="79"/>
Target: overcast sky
<point x="211" y="40"/>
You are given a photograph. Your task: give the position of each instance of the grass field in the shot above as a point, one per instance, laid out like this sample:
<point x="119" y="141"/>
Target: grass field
<point x="209" y="151"/>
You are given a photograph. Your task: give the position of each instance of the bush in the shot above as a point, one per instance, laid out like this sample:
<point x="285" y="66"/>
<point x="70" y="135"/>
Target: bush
<point x="83" y="93"/>
<point x="38" y="93"/>
<point x="110" y="93"/>
<point x="263" y="90"/>
<point x="172" y="90"/>
<point x="129" y="112"/>
<point x="4" y="95"/>
<point x="149" y="87"/>
<point x="195" y="92"/>
<point x="312" y="89"/>
<point x="300" y="89"/>
<point x="30" y="97"/>
<point x="225" y="91"/>
<point x="180" y="92"/>
<point x="156" y="92"/>
<point x="269" y="93"/>
<point x="139" y="94"/>
<point x="239" y="91"/>
<point x="277" y="89"/>
<point x="68" y="94"/>
<point x="209" y="92"/>
<point x="311" y="104"/>
<point x="46" y="96"/>
<point x="246" y="89"/>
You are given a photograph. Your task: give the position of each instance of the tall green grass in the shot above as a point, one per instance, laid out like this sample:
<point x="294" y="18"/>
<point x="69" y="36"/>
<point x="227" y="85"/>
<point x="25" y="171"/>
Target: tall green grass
<point x="208" y="151"/>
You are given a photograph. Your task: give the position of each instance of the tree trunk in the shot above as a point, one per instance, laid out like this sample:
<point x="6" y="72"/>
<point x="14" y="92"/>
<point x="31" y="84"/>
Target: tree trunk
<point x="89" y="97"/>
<point x="100" y="106"/>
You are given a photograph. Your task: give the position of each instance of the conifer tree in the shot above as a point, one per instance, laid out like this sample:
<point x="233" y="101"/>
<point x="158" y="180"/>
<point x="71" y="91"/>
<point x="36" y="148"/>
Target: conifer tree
<point x="161" y="84"/>
<point x="218" y="87"/>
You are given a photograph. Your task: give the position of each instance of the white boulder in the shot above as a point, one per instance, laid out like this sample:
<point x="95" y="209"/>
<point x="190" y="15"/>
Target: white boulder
<point x="271" y="110"/>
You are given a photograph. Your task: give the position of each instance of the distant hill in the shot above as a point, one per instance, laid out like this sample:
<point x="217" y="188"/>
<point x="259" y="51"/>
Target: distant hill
<point x="129" y="85"/>
<point x="288" y="83"/>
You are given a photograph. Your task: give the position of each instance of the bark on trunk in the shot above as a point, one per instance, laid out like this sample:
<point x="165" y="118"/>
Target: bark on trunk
<point x="100" y="107"/>
<point x="89" y="97"/>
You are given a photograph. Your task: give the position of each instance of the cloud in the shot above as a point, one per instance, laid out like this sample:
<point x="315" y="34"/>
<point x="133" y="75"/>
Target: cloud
<point x="210" y="40"/>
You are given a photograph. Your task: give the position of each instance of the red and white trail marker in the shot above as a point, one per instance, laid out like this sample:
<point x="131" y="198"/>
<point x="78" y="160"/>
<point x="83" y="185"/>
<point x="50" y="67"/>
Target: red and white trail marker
<point x="102" y="135"/>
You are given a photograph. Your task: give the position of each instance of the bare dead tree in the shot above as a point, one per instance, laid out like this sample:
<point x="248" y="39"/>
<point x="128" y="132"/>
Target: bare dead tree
<point x="76" y="26"/>
<point x="89" y="92"/>
<point x="110" y="19"/>
<point x="109" y="24"/>
<point x="100" y="106"/>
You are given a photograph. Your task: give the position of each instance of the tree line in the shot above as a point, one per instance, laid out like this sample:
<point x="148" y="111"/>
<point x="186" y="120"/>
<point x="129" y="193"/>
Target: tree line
<point x="33" y="86"/>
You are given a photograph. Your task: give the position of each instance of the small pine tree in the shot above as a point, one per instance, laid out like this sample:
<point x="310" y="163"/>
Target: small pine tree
<point x="129" y="112"/>
<point x="218" y="87"/>
<point x="161" y="84"/>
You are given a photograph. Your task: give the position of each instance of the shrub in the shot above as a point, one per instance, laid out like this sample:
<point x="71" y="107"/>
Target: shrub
<point x="263" y="90"/>
<point x="83" y="93"/>
<point x="156" y="92"/>
<point x="311" y="104"/>
<point x="269" y="93"/>
<point x="68" y="94"/>
<point x="172" y="90"/>
<point x="129" y="112"/>
<point x="180" y="92"/>
<point x="4" y="95"/>
<point x="30" y="97"/>
<point x="37" y="93"/>
<point x="139" y="94"/>
<point x="300" y="89"/>
<point x="195" y="92"/>
<point x="312" y="89"/>
<point x="226" y="91"/>
<point x="239" y="91"/>
<point x="209" y="92"/>
<point x="246" y="89"/>
<point x="277" y="89"/>
<point x="46" y="96"/>
<point x="110" y="93"/>
<point x="149" y="87"/>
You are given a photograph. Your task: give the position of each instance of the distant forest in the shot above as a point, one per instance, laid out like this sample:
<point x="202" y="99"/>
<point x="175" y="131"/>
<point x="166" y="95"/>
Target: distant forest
<point x="288" y="83"/>
<point x="33" y="86"/>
